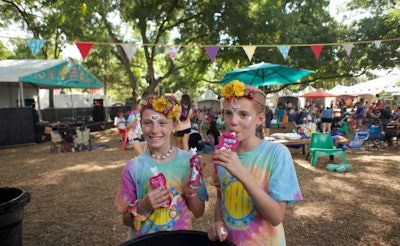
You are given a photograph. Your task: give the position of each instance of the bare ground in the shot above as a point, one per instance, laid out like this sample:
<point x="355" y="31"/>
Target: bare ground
<point x="72" y="196"/>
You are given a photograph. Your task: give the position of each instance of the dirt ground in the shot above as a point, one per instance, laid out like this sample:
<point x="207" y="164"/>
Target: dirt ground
<point x="72" y="196"/>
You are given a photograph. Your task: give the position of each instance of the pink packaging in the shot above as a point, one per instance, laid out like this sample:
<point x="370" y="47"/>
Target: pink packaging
<point x="158" y="180"/>
<point x="227" y="141"/>
<point x="195" y="179"/>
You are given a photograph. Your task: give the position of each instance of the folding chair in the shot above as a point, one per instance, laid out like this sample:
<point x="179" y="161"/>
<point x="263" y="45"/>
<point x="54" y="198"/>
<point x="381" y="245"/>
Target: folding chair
<point x="83" y="140"/>
<point x="390" y="134"/>
<point x="322" y="144"/>
<point x="357" y="141"/>
<point x="376" y="137"/>
<point x="56" y="141"/>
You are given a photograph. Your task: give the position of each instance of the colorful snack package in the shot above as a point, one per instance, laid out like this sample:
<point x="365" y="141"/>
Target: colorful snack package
<point x="195" y="179"/>
<point x="158" y="180"/>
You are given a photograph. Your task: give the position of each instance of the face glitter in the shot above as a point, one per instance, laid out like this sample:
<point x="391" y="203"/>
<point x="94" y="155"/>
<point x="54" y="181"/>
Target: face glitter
<point x="154" y="117"/>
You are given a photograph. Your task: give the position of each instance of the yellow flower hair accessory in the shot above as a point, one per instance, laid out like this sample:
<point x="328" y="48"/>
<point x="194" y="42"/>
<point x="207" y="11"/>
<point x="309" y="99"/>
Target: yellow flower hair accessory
<point x="237" y="89"/>
<point x="166" y="106"/>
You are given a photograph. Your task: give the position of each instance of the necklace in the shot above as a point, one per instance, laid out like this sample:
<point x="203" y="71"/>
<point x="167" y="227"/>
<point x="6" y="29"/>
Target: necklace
<point x="163" y="156"/>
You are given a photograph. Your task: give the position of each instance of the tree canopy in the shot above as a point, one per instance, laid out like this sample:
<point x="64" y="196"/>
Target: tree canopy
<point x="230" y="24"/>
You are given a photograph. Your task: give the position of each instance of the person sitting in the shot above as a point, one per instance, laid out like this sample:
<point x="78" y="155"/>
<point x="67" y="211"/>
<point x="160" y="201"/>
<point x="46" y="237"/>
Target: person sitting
<point x="212" y="137"/>
<point x="300" y="131"/>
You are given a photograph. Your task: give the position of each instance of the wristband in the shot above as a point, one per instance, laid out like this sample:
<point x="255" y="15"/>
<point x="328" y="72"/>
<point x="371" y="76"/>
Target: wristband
<point x="138" y="218"/>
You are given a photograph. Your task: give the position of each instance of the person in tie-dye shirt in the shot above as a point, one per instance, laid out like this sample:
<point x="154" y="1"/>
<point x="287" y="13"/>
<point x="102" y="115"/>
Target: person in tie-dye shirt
<point x="255" y="183"/>
<point x="146" y="205"/>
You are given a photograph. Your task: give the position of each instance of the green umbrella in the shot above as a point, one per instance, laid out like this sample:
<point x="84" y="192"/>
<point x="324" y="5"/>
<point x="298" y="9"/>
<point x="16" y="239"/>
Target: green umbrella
<point x="263" y="74"/>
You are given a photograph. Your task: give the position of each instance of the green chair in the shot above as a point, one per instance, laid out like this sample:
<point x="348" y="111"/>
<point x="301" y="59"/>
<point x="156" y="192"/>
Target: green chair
<point x="322" y="144"/>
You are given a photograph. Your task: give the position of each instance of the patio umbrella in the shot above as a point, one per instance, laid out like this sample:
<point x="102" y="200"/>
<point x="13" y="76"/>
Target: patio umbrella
<point x="317" y="94"/>
<point x="263" y="74"/>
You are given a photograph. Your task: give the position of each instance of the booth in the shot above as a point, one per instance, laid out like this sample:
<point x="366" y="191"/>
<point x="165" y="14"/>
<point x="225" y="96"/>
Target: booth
<point x="20" y="82"/>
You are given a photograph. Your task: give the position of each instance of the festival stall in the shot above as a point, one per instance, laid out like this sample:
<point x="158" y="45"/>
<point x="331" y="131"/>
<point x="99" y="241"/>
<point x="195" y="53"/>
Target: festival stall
<point x="20" y="83"/>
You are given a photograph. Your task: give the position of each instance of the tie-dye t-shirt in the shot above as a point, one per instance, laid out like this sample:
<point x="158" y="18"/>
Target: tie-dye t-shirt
<point x="135" y="184"/>
<point x="271" y="166"/>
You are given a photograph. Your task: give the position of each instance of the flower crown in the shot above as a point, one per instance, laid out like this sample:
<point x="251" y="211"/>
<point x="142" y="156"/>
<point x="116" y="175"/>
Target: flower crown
<point x="166" y="106"/>
<point x="237" y="89"/>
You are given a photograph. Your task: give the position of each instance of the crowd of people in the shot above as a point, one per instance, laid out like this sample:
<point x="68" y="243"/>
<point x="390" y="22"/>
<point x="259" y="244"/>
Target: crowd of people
<point x="344" y="118"/>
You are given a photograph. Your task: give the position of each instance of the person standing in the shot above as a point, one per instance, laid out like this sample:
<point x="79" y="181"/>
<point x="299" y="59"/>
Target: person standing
<point x="255" y="183"/>
<point x="268" y="118"/>
<point x="184" y="126"/>
<point x="154" y="193"/>
<point x="327" y="119"/>
<point x="121" y="124"/>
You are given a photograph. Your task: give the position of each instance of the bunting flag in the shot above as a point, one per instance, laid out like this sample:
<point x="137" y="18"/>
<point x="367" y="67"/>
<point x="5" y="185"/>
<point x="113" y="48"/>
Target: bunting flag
<point x="172" y="51"/>
<point x="348" y="47"/>
<point x="212" y="51"/>
<point x="84" y="48"/>
<point x="35" y="45"/>
<point x="377" y="43"/>
<point x="129" y="49"/>
<point x="317" y="50"/>
<point x="284" y="49"/>
<point x="249" y="49"/>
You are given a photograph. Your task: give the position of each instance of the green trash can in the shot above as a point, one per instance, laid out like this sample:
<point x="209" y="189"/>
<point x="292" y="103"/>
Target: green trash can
<point x="12" y="202"/>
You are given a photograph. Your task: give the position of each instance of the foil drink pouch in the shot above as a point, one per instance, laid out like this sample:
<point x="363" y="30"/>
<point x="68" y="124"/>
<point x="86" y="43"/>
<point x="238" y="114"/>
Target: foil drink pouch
<point x="195" y="179"/>
<point x="158" y="181"/>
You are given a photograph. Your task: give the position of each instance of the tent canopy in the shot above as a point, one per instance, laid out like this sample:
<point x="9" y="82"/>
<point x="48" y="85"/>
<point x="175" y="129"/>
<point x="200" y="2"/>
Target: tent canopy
<point x="48" y="74"/>
<point x="208" y="95"/>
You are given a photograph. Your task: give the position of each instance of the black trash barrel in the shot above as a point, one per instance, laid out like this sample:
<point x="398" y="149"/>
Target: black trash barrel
<point x="181" y="238"/>
<point x="12" y="202"/>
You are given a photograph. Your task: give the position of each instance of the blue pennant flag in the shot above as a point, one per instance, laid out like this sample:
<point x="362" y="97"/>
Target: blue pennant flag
<point x="35" y="45"/>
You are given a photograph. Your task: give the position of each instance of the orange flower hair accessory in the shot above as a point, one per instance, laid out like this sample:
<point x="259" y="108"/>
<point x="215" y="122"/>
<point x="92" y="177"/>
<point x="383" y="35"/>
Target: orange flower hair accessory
<point x="237" y="89"/>
<point x="166" y="106"/>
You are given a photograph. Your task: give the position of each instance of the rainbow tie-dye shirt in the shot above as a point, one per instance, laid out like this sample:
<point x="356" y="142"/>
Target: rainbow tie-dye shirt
<point x="271" y="166"/>
<point x="135" y="184"/>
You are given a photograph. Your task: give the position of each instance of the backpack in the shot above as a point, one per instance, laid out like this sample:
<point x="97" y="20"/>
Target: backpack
<point x="210" y="140"/>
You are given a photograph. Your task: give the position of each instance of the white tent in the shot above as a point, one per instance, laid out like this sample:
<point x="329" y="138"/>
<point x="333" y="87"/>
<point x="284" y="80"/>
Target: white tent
<point x="209" y="100"/>
<point x="387" y="83"/>
<point x="306" y="90"/>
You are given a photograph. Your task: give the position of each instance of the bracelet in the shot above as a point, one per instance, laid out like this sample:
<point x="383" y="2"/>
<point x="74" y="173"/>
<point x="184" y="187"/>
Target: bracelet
<point x="219" y="222"/>
<point x="138" y="218"/>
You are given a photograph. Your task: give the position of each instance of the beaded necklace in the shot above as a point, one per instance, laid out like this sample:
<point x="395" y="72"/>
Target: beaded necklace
<point x="163" y="156"/>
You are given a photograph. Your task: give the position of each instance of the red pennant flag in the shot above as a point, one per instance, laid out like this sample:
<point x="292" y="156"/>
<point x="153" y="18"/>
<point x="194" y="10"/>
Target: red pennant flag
<point x="317" y="50"/>
<point x="84" y="48"/>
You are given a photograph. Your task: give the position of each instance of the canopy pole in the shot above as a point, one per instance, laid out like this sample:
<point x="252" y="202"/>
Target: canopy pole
<point x="38" y="104"/>
<point x="21" y="88"/>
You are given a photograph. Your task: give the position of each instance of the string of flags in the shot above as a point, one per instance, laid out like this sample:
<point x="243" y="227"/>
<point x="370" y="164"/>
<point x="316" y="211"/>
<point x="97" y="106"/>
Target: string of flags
<point x="212" y="50"/>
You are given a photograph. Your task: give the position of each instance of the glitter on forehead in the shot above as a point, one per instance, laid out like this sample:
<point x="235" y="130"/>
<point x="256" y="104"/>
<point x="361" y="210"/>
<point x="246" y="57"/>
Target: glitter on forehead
<point x="235" y="108"/>
<point x="155" y="117"/>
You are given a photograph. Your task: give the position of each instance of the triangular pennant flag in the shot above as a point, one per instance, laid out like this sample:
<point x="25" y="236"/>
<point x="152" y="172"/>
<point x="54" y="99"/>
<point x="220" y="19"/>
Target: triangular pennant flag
<point x="212" y="51"/>
<point x="377" y="43"/>
<point x="317" y="50"/>
<point x="284" y="49"/>
<point x="348" y="47"/>
<point x="129" y="49"/>
<point x="249" y="49"/>
<point x="84" y="48"/>
<point x="35" y="45"/>
<point x="172" y="51"/>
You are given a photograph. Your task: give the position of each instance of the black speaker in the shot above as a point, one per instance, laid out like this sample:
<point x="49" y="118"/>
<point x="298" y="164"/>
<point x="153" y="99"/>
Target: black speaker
<point x="98" y="113"/>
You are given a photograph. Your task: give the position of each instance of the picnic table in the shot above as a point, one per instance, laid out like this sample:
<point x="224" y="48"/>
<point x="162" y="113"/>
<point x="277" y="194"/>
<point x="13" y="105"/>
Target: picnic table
<point x="303" y="142"/>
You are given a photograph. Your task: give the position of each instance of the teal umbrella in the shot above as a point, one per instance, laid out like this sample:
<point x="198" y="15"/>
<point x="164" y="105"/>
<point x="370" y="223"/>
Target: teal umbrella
<point x="263" y="74"/>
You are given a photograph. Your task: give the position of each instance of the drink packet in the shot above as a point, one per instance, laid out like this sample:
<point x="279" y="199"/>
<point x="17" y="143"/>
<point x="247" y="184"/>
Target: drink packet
<point x="158" y="181"/>
<point x="195" y="179"/>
